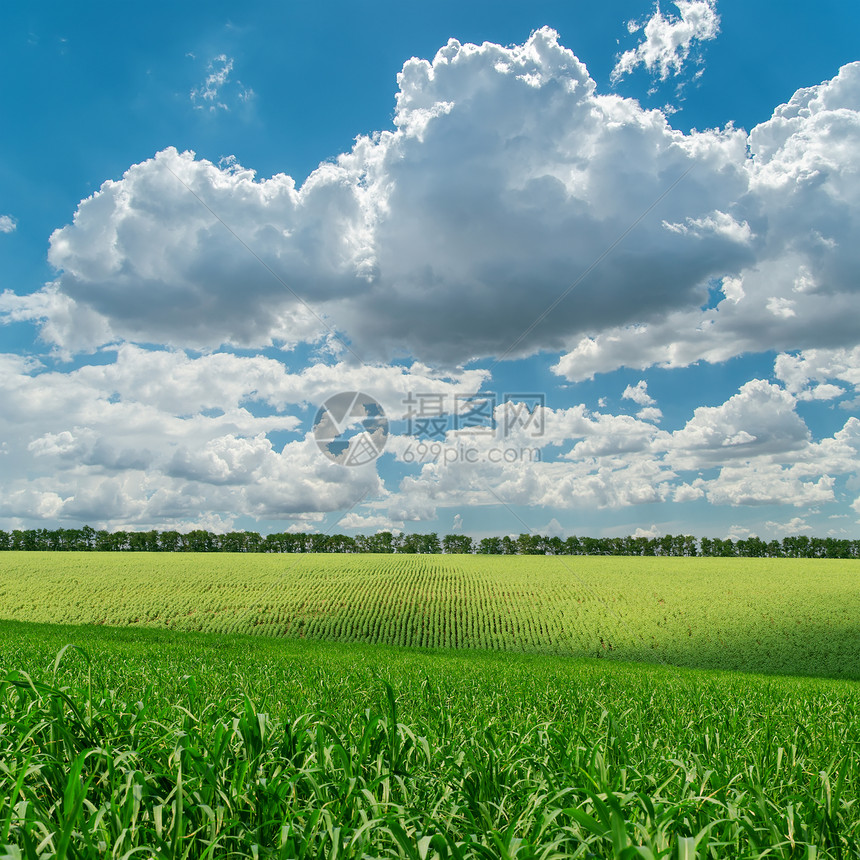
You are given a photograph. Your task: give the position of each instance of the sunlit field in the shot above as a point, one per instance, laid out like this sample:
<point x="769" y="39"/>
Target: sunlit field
<point x="496" y="733"/>
<point x="795" y="616"/>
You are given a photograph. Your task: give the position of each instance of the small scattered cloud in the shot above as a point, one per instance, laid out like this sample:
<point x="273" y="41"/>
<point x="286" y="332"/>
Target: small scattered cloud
<point x="217" y="90"/>
<point x="796" y="525"/>
<point x="733" y="289"/>
<point x="552" y="529"/>
<point x="639" y="394"/>
<point x="652" y="532"/>
<point x="369" y="523"/>
<point x="7" y="224"/>
<point x="301" y="528"/>
<point x="156" y="437"/>
<point x="207" y="96"/>
<point x="668" y="40"/>
<point x="780" y="306"/>
<point x="160" y="438"/>
<point x="760" y="420"/>
<point x="688" y="493"/>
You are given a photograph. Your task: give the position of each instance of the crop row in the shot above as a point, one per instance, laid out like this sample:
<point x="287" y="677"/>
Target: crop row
<point x="790" y="616"/>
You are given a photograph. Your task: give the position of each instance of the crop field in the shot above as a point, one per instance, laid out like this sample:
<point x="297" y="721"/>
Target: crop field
<point x="217" y="706"/>
<point x="796" y="616"/>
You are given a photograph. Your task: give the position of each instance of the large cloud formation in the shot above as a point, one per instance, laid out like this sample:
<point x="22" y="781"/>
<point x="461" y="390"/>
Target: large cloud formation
<point x="505" y="179"/>
<point x="613" y="462"/>
<point x="752" y="450"/>
<point x="506" y="182"/>
<point x="157" y="437"/>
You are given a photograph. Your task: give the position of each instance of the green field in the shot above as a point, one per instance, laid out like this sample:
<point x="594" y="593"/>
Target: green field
<point x="793" y="616"/>
<point x="154" y="741"/>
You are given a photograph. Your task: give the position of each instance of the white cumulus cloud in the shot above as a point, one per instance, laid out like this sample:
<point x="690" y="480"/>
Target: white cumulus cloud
<point x="156" y="437"/>
<point x="759" y="420"/>
<point x="806" y="374"/>
<point x="506" y="175"/>
<point x="668" y="39"/>
<point x="478" y="226"/>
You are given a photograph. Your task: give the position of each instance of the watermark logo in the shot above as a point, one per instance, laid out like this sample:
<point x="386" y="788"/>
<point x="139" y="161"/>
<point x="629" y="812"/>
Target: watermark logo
<point x="351" y="429"/>
<point x="461" y="428"/>
<point x="524" y="412"/>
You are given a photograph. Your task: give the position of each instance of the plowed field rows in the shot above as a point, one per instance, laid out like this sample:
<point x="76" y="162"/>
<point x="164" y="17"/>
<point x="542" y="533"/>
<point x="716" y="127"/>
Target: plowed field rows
<point x="794" y="616"/>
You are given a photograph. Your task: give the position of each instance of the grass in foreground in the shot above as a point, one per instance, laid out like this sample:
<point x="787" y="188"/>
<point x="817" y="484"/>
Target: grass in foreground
<point x="166" y="744"/>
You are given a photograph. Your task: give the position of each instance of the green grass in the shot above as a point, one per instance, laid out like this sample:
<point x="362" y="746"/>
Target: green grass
<point x="791" y="616"/>
<point x="159" y="743"/>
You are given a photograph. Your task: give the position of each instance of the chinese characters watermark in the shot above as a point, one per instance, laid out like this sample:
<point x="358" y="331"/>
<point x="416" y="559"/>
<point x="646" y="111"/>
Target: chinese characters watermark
<point x="351" y="428"/>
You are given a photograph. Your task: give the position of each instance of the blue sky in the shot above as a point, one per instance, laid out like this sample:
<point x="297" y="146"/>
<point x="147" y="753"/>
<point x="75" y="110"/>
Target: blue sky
<point x="213" y="219"/>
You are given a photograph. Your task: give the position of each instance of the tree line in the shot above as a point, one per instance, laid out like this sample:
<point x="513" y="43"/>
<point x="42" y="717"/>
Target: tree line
<point x="89" y="539"/>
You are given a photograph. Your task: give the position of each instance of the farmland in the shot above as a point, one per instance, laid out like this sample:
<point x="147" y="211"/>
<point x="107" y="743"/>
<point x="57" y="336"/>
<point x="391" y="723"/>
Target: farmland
<point x="793" y="616"/>
<point x="235" y="706"/>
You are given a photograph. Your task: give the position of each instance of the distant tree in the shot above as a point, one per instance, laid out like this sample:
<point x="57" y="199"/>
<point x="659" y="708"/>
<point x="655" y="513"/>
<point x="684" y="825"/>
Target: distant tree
<point x="341" y="543"/>
<point x="88" y="538"/>
<point x="528" y="544"/>
<point x="380" y="542"/>
<point x="592" y="546"/>
<point x="118" y="541"/>
<point x="751" y="547"/>
<point x="724" y="548"/>
<point x="431" y="543"/>
<point x="835" y="548"/>
<point x="232" y="542"/>
<point x="319" y="543"/>
<point x="143" y="541"/>
<point x="420" y="543"/>
<point x="490" y="546"/>
<point x="573" y="546"/>
<point x="168" y="541"/>
<point x="797" y="547"/>
<point x="199" y="540"/>
<point x="283" y="542"/>
<point x="690" y="546"/>
<point x="615" y="546"/>
<point x="457" y="544"/>
<point x="555" y="546"/>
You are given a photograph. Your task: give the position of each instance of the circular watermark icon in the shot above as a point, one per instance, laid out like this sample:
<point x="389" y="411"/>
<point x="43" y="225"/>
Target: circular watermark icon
<point x="351" y="428"/>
